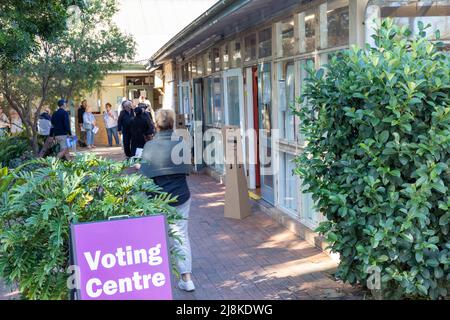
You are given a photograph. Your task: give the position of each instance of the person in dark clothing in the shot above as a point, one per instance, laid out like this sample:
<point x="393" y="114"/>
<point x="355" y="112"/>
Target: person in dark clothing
<point x="124" y="126"/>
<point x="147" y="114"/>
<point x="61" y="129"/>
<point x="81" y="111"/>
<point x="169" y="174"/>
<point x="142" y="130"/>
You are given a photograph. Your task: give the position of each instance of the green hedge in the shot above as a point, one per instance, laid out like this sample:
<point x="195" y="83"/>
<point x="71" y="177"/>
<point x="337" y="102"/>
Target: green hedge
<point x="377" y="162"/>
<point x="39" y="201"/>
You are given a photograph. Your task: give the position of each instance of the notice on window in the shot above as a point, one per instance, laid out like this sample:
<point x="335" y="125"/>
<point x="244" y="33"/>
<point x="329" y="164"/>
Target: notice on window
<point x="122" y="259"/>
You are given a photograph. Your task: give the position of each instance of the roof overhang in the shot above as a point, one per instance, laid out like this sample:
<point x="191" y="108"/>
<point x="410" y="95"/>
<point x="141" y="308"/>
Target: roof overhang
<point x="223" y="20"/>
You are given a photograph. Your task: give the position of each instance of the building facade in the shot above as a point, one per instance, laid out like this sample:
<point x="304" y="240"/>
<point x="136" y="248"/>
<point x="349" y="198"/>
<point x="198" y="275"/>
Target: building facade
<point x="242" y="63"/>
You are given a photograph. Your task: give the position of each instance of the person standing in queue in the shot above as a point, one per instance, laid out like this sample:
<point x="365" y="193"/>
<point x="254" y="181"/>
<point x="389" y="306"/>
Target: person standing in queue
<point x="111" y="118"/>
<point x="89" y="124"/>
<point x="124" y="126"/>
<point x="170" y="175"/>
<point x="81" y="111"/>
<point x="142" y="129"/>
<point x="44" y="128"/>
<point x="61" y="129"/>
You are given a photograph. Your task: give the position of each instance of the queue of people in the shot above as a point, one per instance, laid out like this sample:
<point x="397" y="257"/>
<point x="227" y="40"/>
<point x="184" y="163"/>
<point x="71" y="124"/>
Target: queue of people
<point x="136" y="126"/>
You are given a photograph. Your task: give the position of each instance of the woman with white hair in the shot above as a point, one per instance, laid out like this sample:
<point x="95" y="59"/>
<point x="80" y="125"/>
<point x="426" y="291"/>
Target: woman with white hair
<point x="170" y="176"/>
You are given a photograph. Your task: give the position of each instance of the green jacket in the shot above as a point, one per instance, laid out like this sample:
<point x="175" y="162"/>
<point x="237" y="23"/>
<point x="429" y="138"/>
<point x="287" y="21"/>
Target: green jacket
<point x="166" y="154"/>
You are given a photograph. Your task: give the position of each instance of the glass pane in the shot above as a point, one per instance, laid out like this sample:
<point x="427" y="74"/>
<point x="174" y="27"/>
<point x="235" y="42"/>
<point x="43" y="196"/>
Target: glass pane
<point x="185" y="100"/>
<point x="290" y="128"/>
<point x="216" y="59"/>
<point x="265" y="92"/>
<point x="250" y="47"/>
<point x="237" y="55"/>
<point x="409" y="13"/>
<point x="185" y="73"/>
<point x="310" y="31"/>
<point x="218" y="108"/>
<point x="208" y="62"/>
<point x="233" y="101"/>
<point x="194" y="68"/>
<point x="225" y="57"/>
<point x="208" y="101"/>
<point x="265" y="123"/>
<point x="265" y="43"/>
<point x="308" y="208"/>
<point x="287" y="37"/>
<point x="338" y="23"/>
<point x="288" y="183"/>
<point x="200" y="68"/>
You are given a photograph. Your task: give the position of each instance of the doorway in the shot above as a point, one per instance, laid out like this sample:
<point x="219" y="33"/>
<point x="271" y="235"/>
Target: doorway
<point x="198" y="125"/>
<point x="264" y="79"/>
<point x="233" y="88"/>
<point x="254" y="172"/>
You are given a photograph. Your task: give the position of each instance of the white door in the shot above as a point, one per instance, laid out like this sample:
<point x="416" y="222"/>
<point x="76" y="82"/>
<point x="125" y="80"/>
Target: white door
<point x="233" y="83"/>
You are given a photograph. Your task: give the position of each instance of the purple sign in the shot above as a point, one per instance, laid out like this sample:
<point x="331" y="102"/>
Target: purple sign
<point x="123" y="259"/>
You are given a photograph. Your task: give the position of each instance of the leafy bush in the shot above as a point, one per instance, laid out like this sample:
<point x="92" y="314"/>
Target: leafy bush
<point x="377" y="162"/>
<point x="14" y="150"/>
<point x="41" y="202"/>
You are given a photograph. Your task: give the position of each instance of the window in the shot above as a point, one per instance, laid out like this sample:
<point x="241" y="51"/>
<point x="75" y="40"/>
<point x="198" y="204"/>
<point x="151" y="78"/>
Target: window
<point x="185" y="72"/>
<point x="184" y="101"/>
<point x="237" y="55"/>
<point x="208" y="101"/>
<point x="310" y="31"/>
<point x="265" y="43"/>
<point x="233" y="100"/>
<point x="338" y="23"/>
<point x="216" y="59"/>
<point x="208" y="62"/>
<point x="218" y="106"/>
<point x="304" y="64"/>
<point x="288" y="183"/>
<point x="225" y="57"/>
<point x="309" y="216"/>
<point x="200" y="67"/>
<point x="250" y="47"/>
<point x="288" y="123"/>
<point x="137" y="81"/>
<point x="287" y="37"/>
<point x="409" y="13"/>
<point x="194" y="68"/>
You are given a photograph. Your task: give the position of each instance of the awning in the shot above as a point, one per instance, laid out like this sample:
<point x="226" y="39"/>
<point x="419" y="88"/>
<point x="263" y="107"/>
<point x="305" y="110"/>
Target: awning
<point x="223" y="20"/>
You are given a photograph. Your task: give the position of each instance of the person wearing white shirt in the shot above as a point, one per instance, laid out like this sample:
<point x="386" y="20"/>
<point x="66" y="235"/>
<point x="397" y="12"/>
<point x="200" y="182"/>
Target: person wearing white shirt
<point x="89" y="125"/>
<point x="111" y="122"/>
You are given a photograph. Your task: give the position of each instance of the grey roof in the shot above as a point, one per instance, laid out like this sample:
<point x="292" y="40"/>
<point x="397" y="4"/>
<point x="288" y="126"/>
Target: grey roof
<point x="225" y="18"/>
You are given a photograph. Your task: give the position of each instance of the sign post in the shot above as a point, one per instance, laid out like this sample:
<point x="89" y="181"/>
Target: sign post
<point x="237" y="203"/>
<point x="126" y="259"/>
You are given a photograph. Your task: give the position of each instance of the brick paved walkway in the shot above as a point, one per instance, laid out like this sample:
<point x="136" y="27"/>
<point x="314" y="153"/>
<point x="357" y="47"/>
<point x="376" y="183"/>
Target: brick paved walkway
<point x="256" y="258"/>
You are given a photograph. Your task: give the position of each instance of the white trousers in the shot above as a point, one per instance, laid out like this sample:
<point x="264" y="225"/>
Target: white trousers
<point x="184" y="263"/>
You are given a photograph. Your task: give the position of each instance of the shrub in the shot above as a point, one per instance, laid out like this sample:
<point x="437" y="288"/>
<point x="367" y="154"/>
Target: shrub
<point x="45" y="196"/>
<point x="377" y="122"/>
<point x="14" y="150"/>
